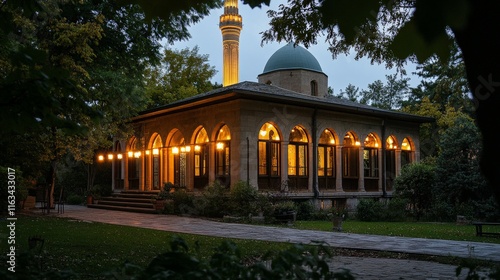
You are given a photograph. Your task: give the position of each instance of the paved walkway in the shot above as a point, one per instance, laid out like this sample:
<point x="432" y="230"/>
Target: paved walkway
<point x="362" y="268"/>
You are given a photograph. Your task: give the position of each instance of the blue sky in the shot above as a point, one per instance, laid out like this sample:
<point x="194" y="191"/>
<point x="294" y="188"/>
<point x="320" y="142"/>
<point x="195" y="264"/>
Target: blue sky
<point x="253" y="57"/>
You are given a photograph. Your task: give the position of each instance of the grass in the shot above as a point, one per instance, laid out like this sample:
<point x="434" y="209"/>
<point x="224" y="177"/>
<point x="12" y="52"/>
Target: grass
<point x="448" y="231"/>
<point x="89" y="248"/>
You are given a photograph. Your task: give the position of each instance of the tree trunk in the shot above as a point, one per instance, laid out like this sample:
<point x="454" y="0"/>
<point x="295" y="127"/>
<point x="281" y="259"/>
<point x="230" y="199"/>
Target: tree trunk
<point x="91" y="170"/>
<point x="479" y="42"/>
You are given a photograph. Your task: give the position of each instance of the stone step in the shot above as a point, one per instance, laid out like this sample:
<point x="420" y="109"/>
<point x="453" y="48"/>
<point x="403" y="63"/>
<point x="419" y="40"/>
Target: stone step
<point x="127" y="199"/>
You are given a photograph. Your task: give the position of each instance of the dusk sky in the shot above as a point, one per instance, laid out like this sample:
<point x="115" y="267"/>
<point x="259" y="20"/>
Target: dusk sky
<point x="253" y="57"/>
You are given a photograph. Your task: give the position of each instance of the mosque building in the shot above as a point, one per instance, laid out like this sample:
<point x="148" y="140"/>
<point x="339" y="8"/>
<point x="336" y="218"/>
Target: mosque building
<point x="280" y="134"/>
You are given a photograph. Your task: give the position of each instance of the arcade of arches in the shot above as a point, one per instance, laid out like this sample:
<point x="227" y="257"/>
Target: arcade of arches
<point x="284" y="160"/>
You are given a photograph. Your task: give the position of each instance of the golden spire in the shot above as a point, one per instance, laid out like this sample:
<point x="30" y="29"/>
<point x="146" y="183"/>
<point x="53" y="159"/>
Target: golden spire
<point x="230" y="25"/>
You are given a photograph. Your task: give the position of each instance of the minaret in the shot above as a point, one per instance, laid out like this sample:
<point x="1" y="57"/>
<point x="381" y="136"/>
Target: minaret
<point x="230" y="26"/>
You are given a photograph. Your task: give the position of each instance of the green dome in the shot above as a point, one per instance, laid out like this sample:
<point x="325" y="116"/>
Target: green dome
<point x="290" y="57"/>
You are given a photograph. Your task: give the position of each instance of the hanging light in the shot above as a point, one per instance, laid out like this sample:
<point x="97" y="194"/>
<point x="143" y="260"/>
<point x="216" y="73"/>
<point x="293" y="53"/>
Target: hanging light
<point x="137" y="154"/>
<point x="219" y="146"/>
<point x="175" y="150"/>
<point x="110" y="156"/>
<point x="119" y="156"/>
<point x="156" y="152"/>
<point x="130" y="153"/>
<point x="100" y="158"/>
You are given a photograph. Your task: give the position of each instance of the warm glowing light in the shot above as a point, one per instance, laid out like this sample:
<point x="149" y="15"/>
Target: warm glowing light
<point x="110" y="156"/>
<point x="376" y="145"/>
<point x="130" y="154"/>
<point x="100" y="158"/>
<point x="183" y="149"/>
<point x="156" y="152"/>
<point x="119" y="156"/>
<point x="357" y="143"/>
<point x="220" y="146"/>
<point x="137" y="154"/>
<point x="175" y="150"/>
<point x="197" y="148"/>
<point x="147" y="152"/>
<point x="263" y="133"/>
<point x="332" y="141"/>
<point x="187" y="149"/>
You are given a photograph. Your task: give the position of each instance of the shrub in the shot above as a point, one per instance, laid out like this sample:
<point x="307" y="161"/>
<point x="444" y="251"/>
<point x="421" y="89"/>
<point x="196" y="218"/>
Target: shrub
<point x="284" y="206"/>
<point x="75" y="199"/>
<point x="396" y="210"/>
<point x="305" y="210"/>
<point x="415" y="185"/>
<point x="369" y="210"/>
<point x="213" y="202"/>
<point x="243" y="199"/>
<point x="183" y="202"/>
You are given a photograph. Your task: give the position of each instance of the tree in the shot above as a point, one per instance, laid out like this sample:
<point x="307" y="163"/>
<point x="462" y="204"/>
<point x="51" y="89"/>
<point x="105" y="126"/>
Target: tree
<point x="351" y="93"/>
<point x="458" y="181"/>
<point x="393" y="32"/>
<point x="181" y="74"/>
<point x="386" y="96"/>
<point x="71" y="73"/>
<point x="444" y="83"/>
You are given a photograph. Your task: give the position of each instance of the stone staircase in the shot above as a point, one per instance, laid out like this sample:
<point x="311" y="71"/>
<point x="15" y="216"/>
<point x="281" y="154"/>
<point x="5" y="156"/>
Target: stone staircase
<point x="131" y="201"/>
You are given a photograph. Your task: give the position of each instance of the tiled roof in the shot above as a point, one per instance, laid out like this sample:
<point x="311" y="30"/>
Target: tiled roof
<point x="260" y="91"/>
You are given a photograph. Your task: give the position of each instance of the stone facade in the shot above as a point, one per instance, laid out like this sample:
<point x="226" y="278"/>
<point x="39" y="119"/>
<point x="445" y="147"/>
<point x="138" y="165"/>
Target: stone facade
<point x="170" y="144"/>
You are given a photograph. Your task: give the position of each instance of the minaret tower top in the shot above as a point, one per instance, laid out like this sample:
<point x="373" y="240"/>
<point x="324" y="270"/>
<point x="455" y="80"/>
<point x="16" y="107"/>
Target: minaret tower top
<point x="230" y="25"/>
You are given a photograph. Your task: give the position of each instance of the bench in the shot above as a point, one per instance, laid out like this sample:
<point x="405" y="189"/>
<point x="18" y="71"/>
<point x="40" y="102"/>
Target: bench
<point x="479" y="228"/>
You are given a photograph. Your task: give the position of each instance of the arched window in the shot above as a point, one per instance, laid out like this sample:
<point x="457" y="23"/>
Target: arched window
<point x="314" y="88"/>
<point x="201" y="149"/>
<point x="390" y="161"/>
<point x="223" y="156"/>
<point x="370" y="156"/>
<point x="134" y="165"/>
<point x="269" y="158"/>
<point x="297" y="158"/>
<point x="406" y="152"/>
<point x="177" y="159"/>
<point x="155" y="166"/>
<point x="326" y="160"/>
<point x="350" y="162"/>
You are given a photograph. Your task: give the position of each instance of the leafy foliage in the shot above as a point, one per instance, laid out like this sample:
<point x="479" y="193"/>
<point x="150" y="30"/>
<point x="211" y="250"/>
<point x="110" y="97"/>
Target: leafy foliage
<point x="459" y="181"/>
<point x="415" y="185"/>
<point x="181" y="74"/>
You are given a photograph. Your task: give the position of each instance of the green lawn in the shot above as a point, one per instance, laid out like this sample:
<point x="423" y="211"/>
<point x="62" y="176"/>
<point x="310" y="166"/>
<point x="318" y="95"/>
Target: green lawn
<point x="89" y="248"/>
<point x="450" y="231"/>
<point x="92" y="248"/>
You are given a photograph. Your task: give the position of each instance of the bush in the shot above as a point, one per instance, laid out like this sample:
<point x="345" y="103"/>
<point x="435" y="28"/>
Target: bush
<point x="75" y="199"/>
<point x="213" y="202"/>
<point x="183" y="202"/>
<point x="305" y="210"/>
<point x="396" y="210"/>
<point x="297" y="262"/>
<point x="415" y="184"/>
<point x="369" y="210"/>
<point x="243" y="200"/>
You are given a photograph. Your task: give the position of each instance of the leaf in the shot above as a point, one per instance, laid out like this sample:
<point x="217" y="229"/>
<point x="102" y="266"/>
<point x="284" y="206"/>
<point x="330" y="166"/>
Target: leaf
<point x="350" y="16"/>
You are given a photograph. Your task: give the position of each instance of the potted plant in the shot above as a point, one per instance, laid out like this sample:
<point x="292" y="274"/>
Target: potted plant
<point x="161" y="198"/>
<point x="285" y="210"/>
<point x="337" y="214"/>
<point x="93" y="195"/>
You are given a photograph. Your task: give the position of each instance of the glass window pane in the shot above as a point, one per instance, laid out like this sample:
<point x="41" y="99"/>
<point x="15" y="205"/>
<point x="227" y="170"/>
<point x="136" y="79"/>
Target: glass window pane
<point x="292" y="158"/>
<point x="262" y="158"/>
